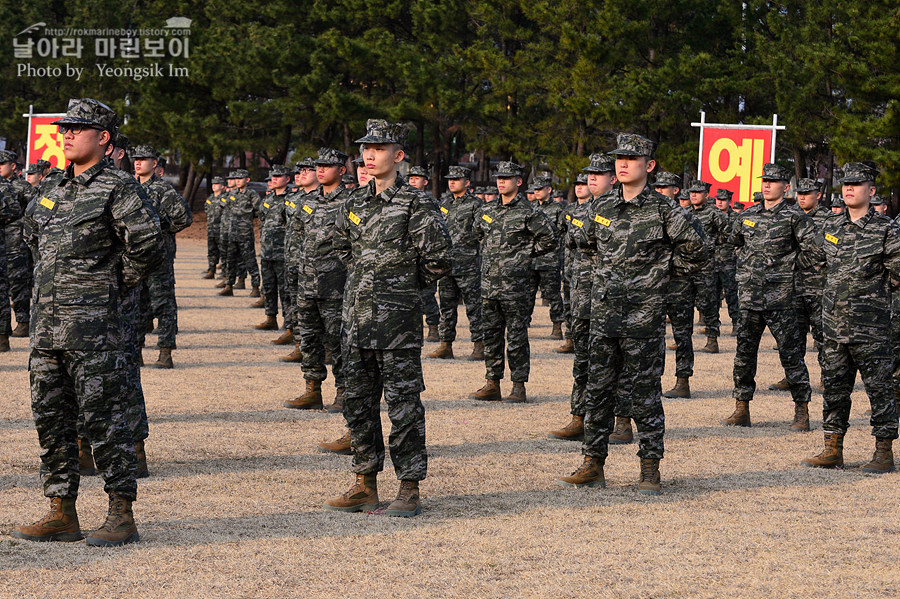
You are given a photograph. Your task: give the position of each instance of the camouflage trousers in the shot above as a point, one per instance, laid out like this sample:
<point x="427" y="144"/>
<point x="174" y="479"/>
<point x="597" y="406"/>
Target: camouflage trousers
<point x="64" y="383"/>
<point x="680" y="310"/>
<point x="548" y="281"/>
<point x="274" y="286"/>
<point x="809" y="316"/>
<point x="212" y="247"/>
<point x="224" y="241"/>
<point x="895" y="337"/>
<point x="581" y="339"/>
<point x="783" y="325"/>
<point x="726" y="284"/>
<point x="567" y="308"/>
<point x="499" y="316"/>
<point x="292" y="280"/>
<point x="398" y="375"/>
<point x="318" y="327"/>
<point x="874" y="363"/>
<point x="628" y="371"/>
<point x="707" y="301"/>
<point x="21" y="276"/>
<point x="5" y="310"/>
<point x="242" y="258"/>
<point x="430" y="305"/>
<point x="450" y="289"/>
<point x="163" y="307"/>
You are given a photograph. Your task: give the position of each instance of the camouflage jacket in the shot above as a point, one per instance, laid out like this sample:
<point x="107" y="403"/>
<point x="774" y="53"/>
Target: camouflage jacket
<point x="810" y="280"/>
<point x="213" y="209"/>
<point x="97" y="236"/>
<point x="175" y="214"/>
<point x="770" y="244"/>
<point x="556" y="214"/>
<point x="640" y="244"/>
<point x="10" y="209"/>
<point x="272" y="226"/>
<point x="725" y="255"/>
<point x="393" y="244"/>
<point x="715" y="225"/>
<point x="292" y="203"/>
<point x="511" y="236"/>
<point x="242" y="208"/>
<point x="322" y="274"/>
<point x="22" y="193"/>
<point x="461" y="215"/>
<point x="861" y="257"/>
<point x="581" y="262"/>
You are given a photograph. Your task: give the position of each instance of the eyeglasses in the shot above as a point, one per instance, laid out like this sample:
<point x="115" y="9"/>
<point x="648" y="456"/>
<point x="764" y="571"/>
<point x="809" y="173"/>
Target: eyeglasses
<point x="74" y="129"/>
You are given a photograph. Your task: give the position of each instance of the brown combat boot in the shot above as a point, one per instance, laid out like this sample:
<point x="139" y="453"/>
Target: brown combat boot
<point x="589" y="474"/>
<point x="490" y="391"/>
<point x="241" y="283"/>
<point x="443" y="352"/>
<point x="712" y="345"/>
<point x="517" y="395"/>
<point x="228" y="291"/>
<point x="119" y="528"/>
<point x="338" y="405"/>
<point x="477" y="352"/>
<point x="681" y="389"/>
<point x="432" y="335"/>
<point x="556" y="333"/>
<point x="622" y="433"/>
<point x="86" y="458"/>
<point x="260" y="303"/>
<point x="221" y="285"/>
<point x="269" y="324"/>
<point x="832" y="456"/>
<point x="286" y="338"/>
<point x="363" y="495"/>
<point x="165" y="358"/>
<point x="310" y="400"/>
<point x="4" y="342"/>
<point x="782" y="385"/>
<point x="574" y="431"/>
<point x="60" y="524"/>
<point x="21" y="330"/>
<point x="740" y="416"/>
<point x="294" y="356"/>
<point x="649" y="483"/>
<point x="801" y="416"/>
<point x="883" y="459"/>
<point x="254" y="292"/>
<point x="672" y="346"/>
<point x="142" y="470"/>
<point x="568" y="347"/>
<point x="340" y="446"/>
<point x="407" y="503"/>
<point x="211" y="273"/>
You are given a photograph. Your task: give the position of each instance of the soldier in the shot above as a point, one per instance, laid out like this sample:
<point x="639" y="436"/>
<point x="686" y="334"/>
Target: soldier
<point x="599" y="180"/>
<point x="213" y="209"/>
<point x="271" y="254"/>
<point x="461" y="211"/>
<point x="418" y="178"/>
<point x="582" y="191"/>
<point x="546" y="268"/>
<point x="176" y="216"/>
<point x="18" y="257"/>
<point x="243" y="205"/>
<point x="322" y="277"/>
<point x="97" y="237"/>
<point x="34" y="174"/>
<point x="512" y="231"/>
<point x="394" y="243"/>
<point x="10" y="211"/>
<point x="490" y="194"/>
<point x="772" y="237"/>
<point x="862" y="249"/>
<point x="480" y="193"/>
<point x="225" y="226"/>
<point x="878" y="204"/>
<point x="837" y="205"/>
<point x="726" y="263"/>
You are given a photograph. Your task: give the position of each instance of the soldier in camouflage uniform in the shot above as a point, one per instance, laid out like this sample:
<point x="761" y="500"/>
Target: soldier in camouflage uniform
<point x="213" y="209"/>
<point x="878" y="204"/>
<point x="243" y="206"/>
<point x="862" y="249"/>
<point x="461" y="211"/>
<point x="547" y="267"/>
<point x="640" y="238"/>
<point x="512" y="232"/>
<point x="837" y="205"/>
<point x="273" y="222"/>
<point x="491" y="194"/>
<point x="34" y="174"/>
<point x="175" y="216"/>
<point x="393" y="242"/>
<point x="772" y="239"/>
<point x="581" y="191"/>
<point x="18" y="257"/>
<point x="97" y="237"/>
<point x="418" y="177"/>
<point x="322" y="277"/>
<point x="726" y="263"/>
<point x="10" y="211"/>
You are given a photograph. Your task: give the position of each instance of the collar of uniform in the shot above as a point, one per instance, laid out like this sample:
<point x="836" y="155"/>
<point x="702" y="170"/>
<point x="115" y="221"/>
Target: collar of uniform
<point x="814" y="211"/>
<point x="638" y="200"/>
<point x="85" y="177"/>
<point x="776" y="208"/>
<point x="519" y="198"/>
<point x="701" y="208"/>
<point x="862" y="221"/>
<point x="334" y="192"/>
<point x="388" y="194"/>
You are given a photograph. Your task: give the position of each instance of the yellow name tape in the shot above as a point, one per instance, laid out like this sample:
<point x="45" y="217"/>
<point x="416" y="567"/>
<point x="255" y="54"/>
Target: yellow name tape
<point x="209" y="201"/>
<point x="444" y="210"/>
<point x="603" y="221"/>
<point x="831" y="238"/>
<point x="266" y="204"/>
<point x="749" y="223"/>
<point x="47" y="203"/>
<point x="232" y="198"/>
<point x="353" y="218"/>
<point x="487" y="218"/>
<point x="577" y="223"/>
<point x="568" y="217"/>
<point x="309" y="210"/>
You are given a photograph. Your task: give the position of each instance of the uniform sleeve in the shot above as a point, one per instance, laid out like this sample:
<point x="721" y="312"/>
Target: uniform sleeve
<point x="341" y="240"/>
<point x="432" y="241"/>
<point x="137" y="227"/>
<point x="810" y="242"/>
<point x="177" y="209"/>
<point x="892" y="250"/>
<point x="689" y="250"/>
<point x="10" y="209"/>
<point x="541" y="229"/>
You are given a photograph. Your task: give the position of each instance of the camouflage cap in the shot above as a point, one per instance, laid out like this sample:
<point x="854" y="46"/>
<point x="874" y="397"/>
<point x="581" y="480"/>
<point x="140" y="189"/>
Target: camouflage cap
<point x="775" y="172"/>
<point x="7" y="156"/>
<point x="161" y="162"/>
<point x="379" y="131"/>
<point x="684" y="195"/>
<point x="358" y="160"/>
<point x="667" y="179"/>
<point x="837" y="200"/>
<point x="481" y="190"/>
<point x="330" y="156"/>
<point x="758" y="196"/>
<point x="43" y="164"/>
<point x="600" y="163"/>
<point x="724" y="194"/>
<point x="508" y="169"/>
<point x="857" y="172"/>
<point x="738" y="206"/>
<point x="217" y="181"/>
<point x="541" y="182"/>
<point x="559" y="194"/>
<point x="632" y="144"/>
<point x="121" y="141"/>
<point x="806" y="186"/>
<point x="143" y="151"/>
<point x="348" y="179"/>
<point x="491" y="190"/>
<point x="876" y="200"/>
<point x="34" y="169"/>
<point x="698" y="186"/>
<point x="233" y="175"/>
<point x="240" y="173"/>
<point x="581" y="179"/>
<point x="457" y="172"/>
<point x="279" y="170"/>
<point x="418" y="171"/>
<point x="87" y="111"/>
<point x="307" y="162"/>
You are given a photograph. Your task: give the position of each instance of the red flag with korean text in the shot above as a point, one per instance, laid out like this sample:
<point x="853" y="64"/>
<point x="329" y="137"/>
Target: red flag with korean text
<point x="45" y="141"/>
<point x="733" y="159"/>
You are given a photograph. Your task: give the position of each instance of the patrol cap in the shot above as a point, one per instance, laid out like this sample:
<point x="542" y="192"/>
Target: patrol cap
<point x="218" y="181"/>
<point x="632" y="144"/>
<point x="491" y="190"/>
<point x="7" y="156"/>
<point x="837" y="200"/>
<point x="724" y="194"/>
<point x="143" y="151"/>
<point x="699" y="186"/>
<point x="508" y="169"/>
<point x="857" y="172"/>
<point x="457" y="172"/>
<point x="307" y="162"/>
<point x="43" y="164"/>
<point x="90" y="112"/>
<point x="481" y="190"/>
<point x="418" y="171"/>
<point x="558" y="193"/>
<point x="684" y="195"/>
<point x="358" y="160"/>
<point x="876" y="200"/>
<point x="775" y="172"/>
<point x="581" y="179"/>
<point x="758" y="196"/>
<point x="33" y="169"/>
<point x="279" y="170"/>
<point x="121" y="142"/>
<point x="233" y="175"/>
<point x="379" y="131"/>
<point x="738" y="206"/>
<point x="348" y="180"/>
<point x="240" y="173"/>
<point x="600" y="163"/>
<point x="807" y="185"/>
<point x="667" y="179"/>
<point x="541" y="182"/>
<point x="161" y="162"/>
<point x="330" y="157"/>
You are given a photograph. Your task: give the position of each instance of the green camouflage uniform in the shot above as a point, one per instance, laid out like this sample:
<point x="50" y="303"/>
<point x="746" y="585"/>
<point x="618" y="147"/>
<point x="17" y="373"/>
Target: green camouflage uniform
<point x="430" y="306"/>
<point x="726" y="267"/>
<point x="213" y="209"/>
<point x="718" y="232"/>
<point x="272" y="229"/>
<point x="809" y="282"/>
<point x="10" y="211"/>
<point x="18" y="258"/>
<point x="242" y="207"/>
<point x="546" y="268"/>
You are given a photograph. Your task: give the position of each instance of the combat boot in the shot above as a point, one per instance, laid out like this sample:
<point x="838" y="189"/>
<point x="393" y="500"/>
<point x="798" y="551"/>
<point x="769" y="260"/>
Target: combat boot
<point x="574" y="431"/>
<point x="622" y="433"/>
<point x="407" y="503"/>
<point x="260" y="303"/>
<point x="241" y="283"/>
<point x="165" y="358"/>
<point x="211" y="273"/>
<point x="286" y="338"/>
<point x="589" y="474"/>
<point x="338" y="405"/>
<point x="269" y="324"/>
<point x="119" y="528"/>
<point x="801" y="416"/>
<point x="433" y="334"/>
<point x="833" y="454"/>
<point x="490" y="391"/>
<point x="221" y="285"/>
<point x="363" y="495"/>
<point x="740" y="416"/>
<point x="883" y="459"/>
<point x="443" y="352"/>
<point x="477" y="352"/>
<point x="649" y="483"/>
<point x="672" y="346"/>
<point x="310" y="400"/>
<point x="782" y="385"/>
<point x="340" y="446"/>
<point x="517" y="395"/>
<point x="228" y="290"/>
<point x="556" y="333"/>
<point x="21" y="330"/>
<point x="681" y="389"/>
<point x="86" y="459"/>
<point x="568" y="347"/>
<point x="712" y="345"/>
<point x="142" y="470"/>
<point x="254" y="292"/>
<point x="60" y="524"/>
<point x="294" y="356"/>
<point x="4" y="342"/>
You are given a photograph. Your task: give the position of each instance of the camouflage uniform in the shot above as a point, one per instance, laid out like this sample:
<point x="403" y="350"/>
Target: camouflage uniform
<point x="726" y="266"/>
<point x="547" y="268"/>
<point x="718" y="232"/>
<point x="273" y="224"/>
<point x="213" y="224"/>
<point x="243" y="206"/>
<point x="18" y="258"/>
<point x="769" y="243"/>
<point x="809" y="282"/>
<point x="461" y="215"/>
<point x="292" y="204"/>
<point x="393" y="244"/>
<point x="10" y="212"/>
<point x="429" y="302"/>
<point x="511" y="235"/>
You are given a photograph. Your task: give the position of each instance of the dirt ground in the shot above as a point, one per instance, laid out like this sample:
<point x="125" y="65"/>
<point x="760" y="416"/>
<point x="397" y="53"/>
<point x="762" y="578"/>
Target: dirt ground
<point x="233" y="505"/>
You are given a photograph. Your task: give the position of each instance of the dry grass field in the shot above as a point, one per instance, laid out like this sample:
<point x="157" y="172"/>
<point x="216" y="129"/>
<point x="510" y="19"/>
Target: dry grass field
<point x="232" y="507"/>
